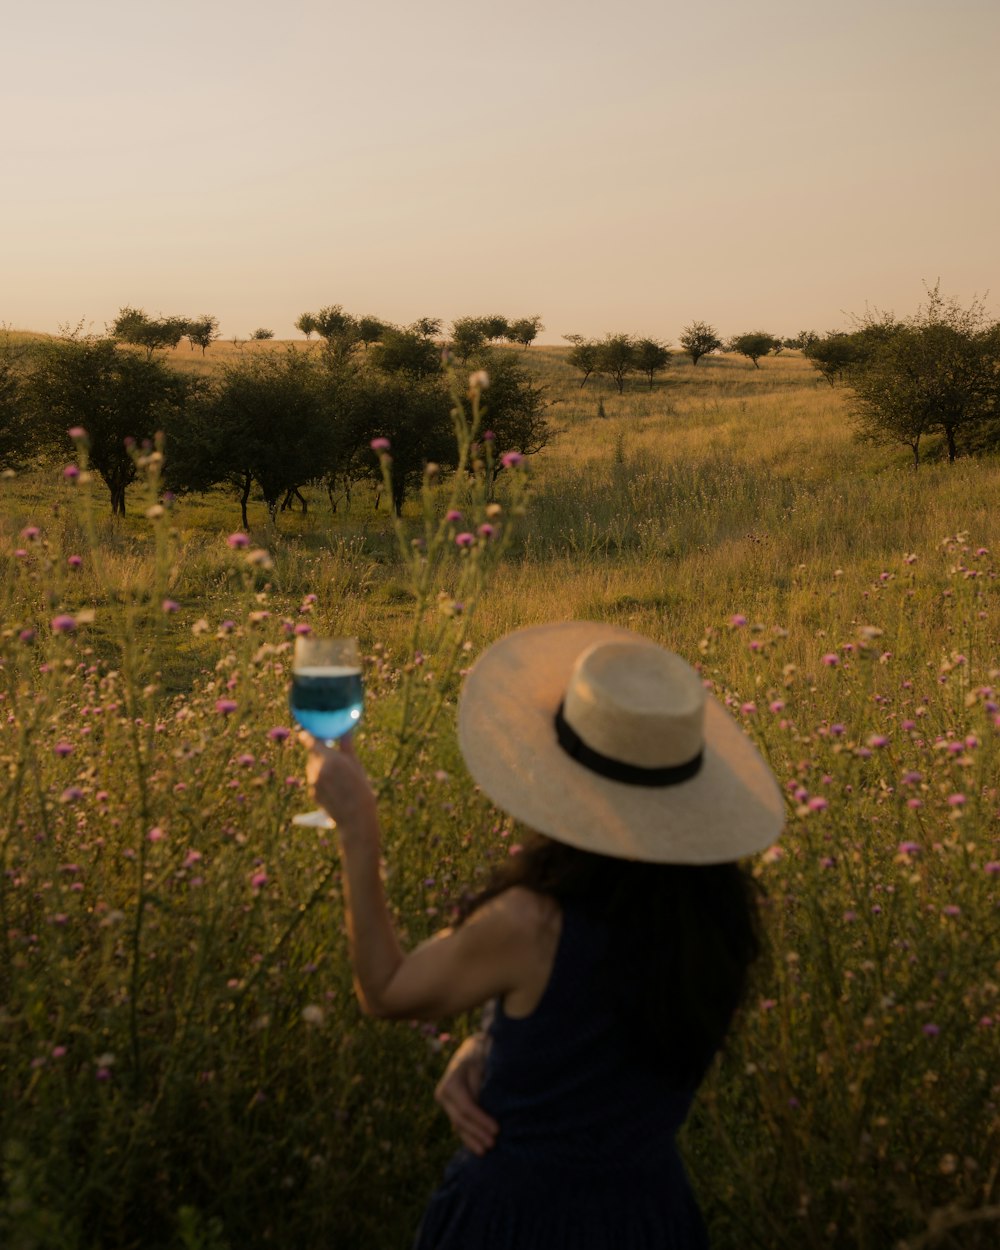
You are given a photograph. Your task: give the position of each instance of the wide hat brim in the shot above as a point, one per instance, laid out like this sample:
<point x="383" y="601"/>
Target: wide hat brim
<point x="731" y="808"/>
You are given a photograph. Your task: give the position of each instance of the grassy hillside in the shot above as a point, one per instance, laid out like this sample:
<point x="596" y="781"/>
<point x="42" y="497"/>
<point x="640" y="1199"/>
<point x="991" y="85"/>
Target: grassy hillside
<point x="181" y="1059"/>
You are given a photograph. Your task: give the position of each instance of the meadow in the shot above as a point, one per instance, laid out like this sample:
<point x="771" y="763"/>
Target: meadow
<point x="182" y="1062"/>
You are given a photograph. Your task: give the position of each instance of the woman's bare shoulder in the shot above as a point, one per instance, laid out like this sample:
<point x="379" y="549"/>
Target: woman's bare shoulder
<point x="524" y="912"/>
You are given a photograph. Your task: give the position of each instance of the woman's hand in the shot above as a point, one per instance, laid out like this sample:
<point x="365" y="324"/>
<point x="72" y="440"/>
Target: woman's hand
<point x="340" y="785"/>
<point x="458" y="1093"/>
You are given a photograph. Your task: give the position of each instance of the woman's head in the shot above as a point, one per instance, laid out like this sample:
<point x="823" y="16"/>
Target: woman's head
<point x="604" y="740"/>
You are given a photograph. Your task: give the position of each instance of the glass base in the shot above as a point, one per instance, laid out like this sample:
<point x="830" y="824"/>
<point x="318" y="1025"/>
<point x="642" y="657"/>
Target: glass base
<point x="314" y="820"/>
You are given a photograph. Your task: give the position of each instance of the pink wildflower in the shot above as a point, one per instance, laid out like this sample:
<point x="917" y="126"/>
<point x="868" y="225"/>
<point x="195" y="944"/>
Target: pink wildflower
<point x="737" y="620"/>
<point x="238" y="541"/>
<point x="380" y="444"/>
<point x="156" y="834"/>
<point x="63" y="624"/>
<point x="71" y="473"/>
<point x="831" y="660"/>
<point x="464" y="540"/>
<point x="76" y="432"/>
<point x="225" y="706"/>
<point x="278" y="733"/>
<point x="62" y="749"/>
<point x="170" y="605"/>
<point x="510" y="459"/>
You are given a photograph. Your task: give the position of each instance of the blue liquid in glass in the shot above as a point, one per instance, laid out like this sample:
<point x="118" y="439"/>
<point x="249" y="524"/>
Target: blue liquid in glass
<point x="327" y="702"/>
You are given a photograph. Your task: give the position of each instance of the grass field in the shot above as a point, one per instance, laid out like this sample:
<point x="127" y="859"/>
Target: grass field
<point x="181" y="1060"/>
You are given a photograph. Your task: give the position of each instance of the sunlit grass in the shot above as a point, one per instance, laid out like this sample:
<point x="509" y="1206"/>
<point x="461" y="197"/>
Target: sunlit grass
<point x="844" y="606"/>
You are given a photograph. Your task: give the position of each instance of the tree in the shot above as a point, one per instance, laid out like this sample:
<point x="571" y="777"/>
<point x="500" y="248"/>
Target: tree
<point x="19" y="434"/>
<point x="753" y="345"/>
<point x="370" y="330"/>
<point x="616" y="358"/>
<point x="407" y="351"/>
<point x="583" y="355"/>
<point x="467" y="336"/>
<point x="513" y="407"/>
<point x="429" y="327"/>
<point x="119" y="398"/>
<point x="650" y="357"/>
<point x="338" y="329"/>
<point x="698" y="339"/>
<point x="936" y="372"/>
<point x="801" y="341"/>
<point x="202" y="332"/>
<point x="306" y="325"/>
<point x="835" y="354"/>
<point x="261" y="335"/>
<point x="414" y="416"/>
<point x="265" y="422"/>
<point x="133" y="326"/>
<point x="495" y="327"/>
<point x="525" y="330"/>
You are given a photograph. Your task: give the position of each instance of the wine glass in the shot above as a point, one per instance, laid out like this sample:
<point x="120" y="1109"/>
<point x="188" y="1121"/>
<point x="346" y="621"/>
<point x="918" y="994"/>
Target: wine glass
<point x="326" y="697"/>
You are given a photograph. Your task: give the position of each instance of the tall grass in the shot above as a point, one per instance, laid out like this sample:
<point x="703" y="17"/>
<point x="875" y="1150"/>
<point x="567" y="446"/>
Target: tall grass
<point x="181" y="1059"/>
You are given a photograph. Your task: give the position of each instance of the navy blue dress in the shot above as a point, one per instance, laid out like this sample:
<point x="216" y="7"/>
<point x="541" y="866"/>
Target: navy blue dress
<point x="585" y="1158"/>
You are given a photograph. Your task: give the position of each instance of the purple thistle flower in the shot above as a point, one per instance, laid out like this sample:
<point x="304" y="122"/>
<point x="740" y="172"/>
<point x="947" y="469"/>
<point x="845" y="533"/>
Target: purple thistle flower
<point x="225" y="706"/>
<point x="951" y="909"/>
<point x="931" y="1030"/>
<point x="74" y="562"/>
<point x="30" y="533"/>
<point x="956" y="800"/>
<point x="63" y="624"/>
<point x="464" y="540"/>
<point x="453" y="515"/>
<point x="877" y="741"/>
<point x="27" y="635"/>
<point x="831" y="660"/>
<point x="909" y="848"/>
<point x="72" y="794"/>
<point x="510" y="459"/>
<point x="278" y="733"/>
<point x="238" y="541"/>
<point x="992" y="868"/>
<point x="486" y="530"/>
<point x="62" y="749"/>
<point x="380" y="444"/>
<point x="156" y="834"/>
<point x="489" y="436"/>
<point x="71" y="472"/>
<point x="737" y="620"/>
<point x="76" y="432"/>
<point x="226" y="627"/>
<point x="302" y="629"/>
<point x="818" y="804"/>
<point x="170" y="605"/>
<point x="259" y="880"/>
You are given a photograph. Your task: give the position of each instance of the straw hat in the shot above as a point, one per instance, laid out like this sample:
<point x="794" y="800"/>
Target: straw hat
<point x="604" y="740"/>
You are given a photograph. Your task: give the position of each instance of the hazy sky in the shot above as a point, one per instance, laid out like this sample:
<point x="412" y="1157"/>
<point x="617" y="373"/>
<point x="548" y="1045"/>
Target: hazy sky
<point x="623" y="165"/>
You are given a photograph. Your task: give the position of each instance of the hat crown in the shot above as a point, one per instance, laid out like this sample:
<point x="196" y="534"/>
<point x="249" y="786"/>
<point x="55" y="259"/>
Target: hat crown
<point x="636" y="703"/>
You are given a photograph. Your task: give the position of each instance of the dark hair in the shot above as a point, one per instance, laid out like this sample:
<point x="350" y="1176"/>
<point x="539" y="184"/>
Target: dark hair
<point x="681" y="939"/>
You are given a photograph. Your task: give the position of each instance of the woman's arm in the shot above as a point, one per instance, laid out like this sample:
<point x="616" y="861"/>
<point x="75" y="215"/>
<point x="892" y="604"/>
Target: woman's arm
<point x="494" y="952"/>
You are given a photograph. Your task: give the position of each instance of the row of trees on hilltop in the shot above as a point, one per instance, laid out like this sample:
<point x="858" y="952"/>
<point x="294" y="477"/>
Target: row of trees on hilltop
<point x="616" y="356"/>
<point x="270" y="423"/>
<point x="936" y="373"/>
<point x="343" y="331"/>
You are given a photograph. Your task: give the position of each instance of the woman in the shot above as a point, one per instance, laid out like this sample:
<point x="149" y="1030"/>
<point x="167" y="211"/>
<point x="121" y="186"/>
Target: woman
<point x="615" y="947"/>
